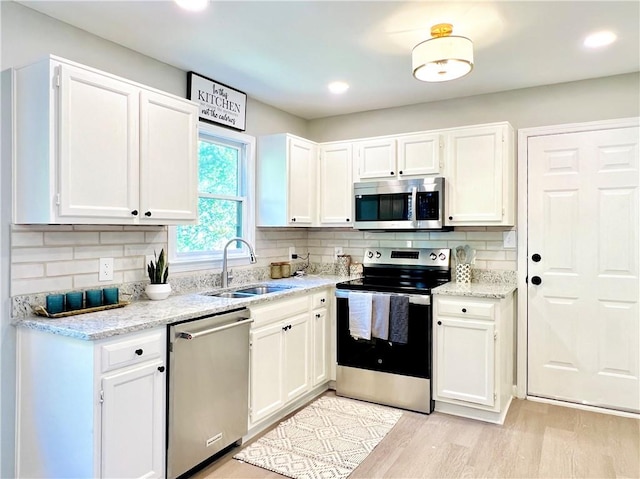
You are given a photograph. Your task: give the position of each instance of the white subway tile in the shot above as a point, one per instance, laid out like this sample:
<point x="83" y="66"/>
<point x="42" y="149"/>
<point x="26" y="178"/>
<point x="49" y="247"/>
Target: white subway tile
<point x="494" y="245"/>
<point x="103" y="251"/>
<point x="491" y="255"/>
<point x="143" y="249"/>
<point x="42" y="227"/>
<point x="27" y="238"/>
<point x="375" y="235"/>
<point x="97" y="228"/>
<point x="155" y="237"/>
<point x="448" y="235"/>
<point x="348" y="235"/>
<point x="22" y="271"/>
<point x="471" y="228"/>
<point x="39" y="255"/>
<point x="135" y="275"/>
<point x="485" y="235"/>
<point x="314" y="242"/>
<point x="73" y="238"/>
<point x="40" y="285"/>
<point x="82" y="281"/>
<point x="123" y="237"/>
<point x="129" y="262"/>
<point x="68" y="268"/>
<point x="145" y="228"/>
<point x="505" y="265"/>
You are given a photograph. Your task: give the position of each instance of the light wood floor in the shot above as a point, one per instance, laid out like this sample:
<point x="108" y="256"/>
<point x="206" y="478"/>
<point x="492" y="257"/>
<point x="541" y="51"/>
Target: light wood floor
<point x="536" y="440"/>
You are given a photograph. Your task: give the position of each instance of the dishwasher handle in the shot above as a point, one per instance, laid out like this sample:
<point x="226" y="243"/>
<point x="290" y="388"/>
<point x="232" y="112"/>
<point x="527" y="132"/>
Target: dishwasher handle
<point x="188" y="335"/>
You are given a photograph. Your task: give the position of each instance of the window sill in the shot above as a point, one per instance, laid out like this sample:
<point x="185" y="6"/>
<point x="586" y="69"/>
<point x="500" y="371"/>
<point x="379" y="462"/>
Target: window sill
<point x="186" y="266"/>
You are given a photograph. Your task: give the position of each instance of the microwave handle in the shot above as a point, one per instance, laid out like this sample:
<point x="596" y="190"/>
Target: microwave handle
<point x="414" y="205"/>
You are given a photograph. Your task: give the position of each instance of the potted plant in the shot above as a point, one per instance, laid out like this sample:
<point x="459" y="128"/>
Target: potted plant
<point x="158" y="272"/>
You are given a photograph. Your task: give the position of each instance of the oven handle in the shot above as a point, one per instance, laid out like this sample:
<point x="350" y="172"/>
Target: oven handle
<point x="414" y="204"/>
<point x="421" y="299"/>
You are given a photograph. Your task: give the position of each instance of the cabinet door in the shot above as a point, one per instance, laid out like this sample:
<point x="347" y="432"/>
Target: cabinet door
<point x="98" y="149"/>
<point x="301" y="167"/>
<point x="320" y="366"/>
<point x="133" y="422"/>
<point x="377" y="159"/>
<point x="475" y="165"/>
<point x="296" y="356"/>
<point x="465" y="360"/>
<point x="266" y="371"/>
<point x="419" y="155"/>
<point x="336" y="184"/>
<point x="168" y="159"/>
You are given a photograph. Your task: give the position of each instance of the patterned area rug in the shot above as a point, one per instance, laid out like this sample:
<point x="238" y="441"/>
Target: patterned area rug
<point x="325" y="440"/>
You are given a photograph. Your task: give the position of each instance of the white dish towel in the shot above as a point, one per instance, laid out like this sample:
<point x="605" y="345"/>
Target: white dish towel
<point x="360" y="307"/>
<point x="380" y="321"/>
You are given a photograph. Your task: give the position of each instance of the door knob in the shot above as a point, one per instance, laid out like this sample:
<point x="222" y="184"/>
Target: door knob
<point x="536" y="280"/>
<point x="536" y="258"/>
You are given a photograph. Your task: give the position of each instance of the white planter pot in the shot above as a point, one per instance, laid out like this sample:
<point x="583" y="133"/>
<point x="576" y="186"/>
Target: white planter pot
<point x="158" y="291"/>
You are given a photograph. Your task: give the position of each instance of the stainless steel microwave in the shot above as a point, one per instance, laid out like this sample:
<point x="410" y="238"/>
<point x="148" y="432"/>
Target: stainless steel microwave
<point x="416" y="204"/>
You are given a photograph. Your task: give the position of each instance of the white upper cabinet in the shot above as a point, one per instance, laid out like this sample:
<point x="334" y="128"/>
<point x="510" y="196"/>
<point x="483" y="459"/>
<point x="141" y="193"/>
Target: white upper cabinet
<point x="336" y="184"/>
<point x="398" y="157"/>
<point x="480" y="173"/>
<point x="286" y="181"/>
<point x="94" y="148"/>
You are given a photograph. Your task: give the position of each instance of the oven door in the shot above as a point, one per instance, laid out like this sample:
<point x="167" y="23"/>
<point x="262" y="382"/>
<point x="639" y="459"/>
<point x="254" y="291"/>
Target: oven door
<point x="410" y="359"/>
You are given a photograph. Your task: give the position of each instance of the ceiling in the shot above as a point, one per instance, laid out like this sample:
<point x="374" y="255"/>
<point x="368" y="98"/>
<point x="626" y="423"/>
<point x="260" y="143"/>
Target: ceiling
<point x="285" y="53"/>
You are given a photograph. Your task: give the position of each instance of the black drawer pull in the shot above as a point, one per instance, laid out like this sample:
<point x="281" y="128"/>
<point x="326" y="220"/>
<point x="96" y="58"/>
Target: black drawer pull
<point x="161" y="369"/>
<point x="134" y="212"/>
<point x="139" y="352"/>
<point x="464" y="310"/>
<point x="148" y="213"/>
<point x="439" y="323"/>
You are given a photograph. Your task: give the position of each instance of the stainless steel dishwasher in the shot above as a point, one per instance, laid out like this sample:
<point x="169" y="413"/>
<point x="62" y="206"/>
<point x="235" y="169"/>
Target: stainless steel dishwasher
<point x="208" y="387"/>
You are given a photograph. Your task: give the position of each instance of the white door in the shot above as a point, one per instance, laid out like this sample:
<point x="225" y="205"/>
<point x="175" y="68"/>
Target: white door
<point x="465" y="360"/>
<point x="296" y="356"/>
<point x="583" y="317"/>
<point x="99" y="148"/>
<point x="133" y="422"/>
<point x="168" y="159"/>
<point x="301" y="169"/>
<point x="336" y="184"/>
<point x="266" y="371"/>
<point x="419" y="155"/>
<point x="377" y="159"/>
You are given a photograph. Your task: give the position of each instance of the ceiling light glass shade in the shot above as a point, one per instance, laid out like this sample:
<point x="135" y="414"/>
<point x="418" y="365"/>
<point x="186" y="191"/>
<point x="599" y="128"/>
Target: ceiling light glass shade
<point x="442" y="58"/>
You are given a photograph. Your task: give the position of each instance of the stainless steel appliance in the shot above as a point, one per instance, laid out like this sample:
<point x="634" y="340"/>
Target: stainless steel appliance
<point x="384" y="371"/>
<point x="207" y="388"/>
<point x="416" y="204"/>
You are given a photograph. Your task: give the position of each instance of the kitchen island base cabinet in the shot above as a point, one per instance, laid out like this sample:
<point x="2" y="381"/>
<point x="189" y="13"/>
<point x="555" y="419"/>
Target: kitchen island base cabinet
<point x="91" y="408"/>
<point x="473" y="356"/>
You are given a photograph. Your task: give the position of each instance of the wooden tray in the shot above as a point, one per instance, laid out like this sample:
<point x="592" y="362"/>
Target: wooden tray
<point x="42" y="311"/>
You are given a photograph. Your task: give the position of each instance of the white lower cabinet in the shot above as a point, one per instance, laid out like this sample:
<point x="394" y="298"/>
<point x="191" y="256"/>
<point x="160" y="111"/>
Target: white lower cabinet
<point x="91" y="408"/>
<point x="289" y="353"/>
<point x="472" y="356"/>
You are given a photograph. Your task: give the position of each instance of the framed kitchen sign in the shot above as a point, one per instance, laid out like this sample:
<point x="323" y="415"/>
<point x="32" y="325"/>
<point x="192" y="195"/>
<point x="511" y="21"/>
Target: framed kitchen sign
<point x="219" y="103"/>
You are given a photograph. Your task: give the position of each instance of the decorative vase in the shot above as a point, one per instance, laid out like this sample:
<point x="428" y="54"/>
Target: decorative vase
<point x="158" y="291"/>
<point x="463" y="273"/>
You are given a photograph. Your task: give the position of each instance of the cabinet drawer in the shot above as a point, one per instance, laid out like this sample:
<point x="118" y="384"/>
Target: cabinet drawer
<point x="132" y="350"/>
<point x="320" y="300"/>
<point x="463" y="309"/>
<point x="278" y="310"/>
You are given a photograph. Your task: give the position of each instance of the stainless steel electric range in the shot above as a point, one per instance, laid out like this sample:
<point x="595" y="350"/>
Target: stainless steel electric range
<point x="394" y="369"/>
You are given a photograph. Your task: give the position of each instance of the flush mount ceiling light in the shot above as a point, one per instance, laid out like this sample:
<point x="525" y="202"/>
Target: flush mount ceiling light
<point x="443" y="57"/>
<point x="338" y="87"/>
<point x="600" y="39"/>
<point x="192" y="5"/>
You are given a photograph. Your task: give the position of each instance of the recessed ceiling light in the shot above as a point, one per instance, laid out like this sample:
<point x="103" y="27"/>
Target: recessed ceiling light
<point x="600" y="39"/>
<point x="338" y="87"/>
<point x="193" y="5"/>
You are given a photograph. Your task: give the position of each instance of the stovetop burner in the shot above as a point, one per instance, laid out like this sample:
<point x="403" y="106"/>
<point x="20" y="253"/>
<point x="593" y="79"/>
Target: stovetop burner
<point x="410" y="271"/>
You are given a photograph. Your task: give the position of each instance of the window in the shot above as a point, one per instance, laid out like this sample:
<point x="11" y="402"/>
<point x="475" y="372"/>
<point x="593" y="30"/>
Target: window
<point x="225" y="186"/>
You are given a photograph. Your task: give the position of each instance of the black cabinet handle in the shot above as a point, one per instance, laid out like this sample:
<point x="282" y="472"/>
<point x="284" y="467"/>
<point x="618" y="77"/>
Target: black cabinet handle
<point x="322" y="300"/>
<point x="439" y="323"/>
<point x="317" y="315"/>
<point x="392" y="173"/>
<point x="161" y="369"/>
<point x="537" y="280"/>
<point x="536" y="258"/>
<point x="139" y="352"/>
<point x="148" y="213"/>
<point x="400" y="172"/>
<point x="450" y="217"/>
<point x="348" y="220"/>
<point x="293" y="219"/>
<point x="464" y="310"/>
<point x="134" y="212"/>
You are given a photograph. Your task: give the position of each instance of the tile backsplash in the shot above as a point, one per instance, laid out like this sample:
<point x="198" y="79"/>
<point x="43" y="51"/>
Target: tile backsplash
<point x="47" y="258"/>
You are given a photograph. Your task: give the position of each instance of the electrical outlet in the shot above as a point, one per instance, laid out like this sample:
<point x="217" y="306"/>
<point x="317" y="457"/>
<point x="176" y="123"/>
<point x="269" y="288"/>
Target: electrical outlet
<point x="509" y="239"/>
<point x="292" y="251"/>
<point x="337" y="251"/>
<point x="105" y="271"/>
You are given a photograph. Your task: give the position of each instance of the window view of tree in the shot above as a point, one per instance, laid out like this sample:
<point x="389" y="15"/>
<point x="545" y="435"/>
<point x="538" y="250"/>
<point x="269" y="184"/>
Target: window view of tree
<point x="220" y="204"/>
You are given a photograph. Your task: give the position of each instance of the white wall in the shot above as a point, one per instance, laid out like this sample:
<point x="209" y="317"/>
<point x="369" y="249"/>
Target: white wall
<point x="587" y="100"/>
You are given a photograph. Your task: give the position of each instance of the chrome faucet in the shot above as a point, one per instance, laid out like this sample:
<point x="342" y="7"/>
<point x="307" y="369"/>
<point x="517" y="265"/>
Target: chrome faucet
<point x="225" y="275"/>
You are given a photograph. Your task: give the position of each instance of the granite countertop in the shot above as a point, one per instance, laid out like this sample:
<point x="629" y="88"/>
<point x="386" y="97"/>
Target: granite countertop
<point x="476" y="290"/>
<point x="146" y="314"/>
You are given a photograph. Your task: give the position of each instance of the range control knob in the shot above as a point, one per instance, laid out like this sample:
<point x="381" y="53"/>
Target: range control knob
<point x="378" y="254"/>
<point x="442" y="256"/>
<point x="433" y="256"/>
<point x="369" y="254"/>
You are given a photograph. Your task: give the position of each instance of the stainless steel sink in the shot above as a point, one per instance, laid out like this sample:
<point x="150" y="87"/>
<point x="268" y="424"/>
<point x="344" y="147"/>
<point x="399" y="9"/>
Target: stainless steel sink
<point x="250" y="291"/>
